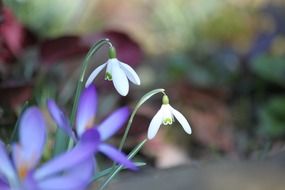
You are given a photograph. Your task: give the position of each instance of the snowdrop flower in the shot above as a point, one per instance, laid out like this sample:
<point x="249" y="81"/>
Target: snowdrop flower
<point x="116" y="71"/>
<point x="166" y="116"/>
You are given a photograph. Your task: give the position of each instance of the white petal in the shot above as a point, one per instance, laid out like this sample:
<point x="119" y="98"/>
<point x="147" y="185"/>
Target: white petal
<point x="94" y="74"/>
<point x="131" y="74"/>
<point x="167" y="112"/>
<point x="182" y="120"/>
<point x="120" y="80"/>
<point x="110" y="64"/>
<point x="154" y="125"/>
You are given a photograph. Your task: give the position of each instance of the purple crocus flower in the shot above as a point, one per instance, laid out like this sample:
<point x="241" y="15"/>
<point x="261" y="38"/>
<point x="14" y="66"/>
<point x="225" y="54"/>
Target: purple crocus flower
<point x="85" y="123"/>
<point x="19" y="171"/>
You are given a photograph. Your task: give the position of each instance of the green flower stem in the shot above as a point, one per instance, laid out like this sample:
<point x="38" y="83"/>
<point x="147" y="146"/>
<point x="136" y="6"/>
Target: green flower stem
<point x="111" y="169"/>
<point x="80" y="83"/>
<point x="14" y="134"/>
<point x="120" y="167"/>
<point x="139" y="104"/>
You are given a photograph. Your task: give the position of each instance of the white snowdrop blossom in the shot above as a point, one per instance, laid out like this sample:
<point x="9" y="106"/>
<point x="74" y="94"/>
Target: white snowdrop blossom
<point x="116" y="71"/>
<point x="165" y="116"/>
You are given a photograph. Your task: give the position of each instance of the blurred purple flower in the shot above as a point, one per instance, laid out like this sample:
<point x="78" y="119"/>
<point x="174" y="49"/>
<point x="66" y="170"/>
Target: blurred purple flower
<point x="84" y="124"/>
<point x="20" y="173"/>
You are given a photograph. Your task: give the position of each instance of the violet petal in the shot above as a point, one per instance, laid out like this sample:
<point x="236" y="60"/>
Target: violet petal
<point x="86" y="109"/>
<point x="84" y="150"/>
<point x="75" y="179"/>
<point x="32" y="134"/>
<point x="117" y="156"/>
<point x="6" y="167"/>
<point x="113" y="123"/>
<point x="59" y="118"/>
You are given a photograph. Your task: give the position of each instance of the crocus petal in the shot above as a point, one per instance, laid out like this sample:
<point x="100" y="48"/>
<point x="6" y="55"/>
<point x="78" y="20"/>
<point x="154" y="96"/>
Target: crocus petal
<point x="182" y="120"/>
<point x="113" y="123"/>
<point x="3" y="185"/>
<point x="75" y="179"/>
<point x="154" y="124"/>
<point x="131" y="74"/>
<point x="30" y="183"/>
<point x="86" y="110"/>
<point x="6" y="167"/>
<point x="116" y="156"/>
<point x="84" y="150"/>
<point x="94" y="74"/>
<point x="32" y="133"/>
<point x="60" y="119"/>
<point x="120" y="79"/>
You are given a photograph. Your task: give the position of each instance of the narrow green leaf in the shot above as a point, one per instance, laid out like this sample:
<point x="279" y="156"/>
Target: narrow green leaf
<point x="16" y="127"/>
<point x="61" y="142"/>
<point x="109" y="170"/>
<point x="120" y="167"/>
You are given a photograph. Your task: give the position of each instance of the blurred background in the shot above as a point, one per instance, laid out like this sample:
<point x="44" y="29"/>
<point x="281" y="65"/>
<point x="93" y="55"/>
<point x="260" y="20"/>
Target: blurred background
<point x="222" y="63"/>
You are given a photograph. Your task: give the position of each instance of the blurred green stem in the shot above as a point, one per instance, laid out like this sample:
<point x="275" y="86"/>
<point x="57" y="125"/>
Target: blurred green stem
<point x="139" y="104"/>
<point x="80" y="83"/>
<point x="63" y="141"/>
<point x="16" y="127"/>
<point x="117" y="169"/>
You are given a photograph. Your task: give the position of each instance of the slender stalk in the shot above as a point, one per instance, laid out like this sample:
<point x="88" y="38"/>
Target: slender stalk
<point x="140" y="102"/>
<point x="109" y="170"/>
<point x="80" y="83"/>
<point x="117" y="169"/>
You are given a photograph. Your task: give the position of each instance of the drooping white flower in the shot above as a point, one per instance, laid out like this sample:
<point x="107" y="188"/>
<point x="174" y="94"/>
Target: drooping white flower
<point x="116" y="71"/>
<point x="165" y="116"/>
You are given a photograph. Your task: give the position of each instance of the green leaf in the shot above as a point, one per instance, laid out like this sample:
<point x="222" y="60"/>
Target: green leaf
<point x="270" y="68"/>
<point x="16" y="127"/>
<point x="61" y="142"/>
<point x="109" y="170"/>
<point x="119" y="168"/>
<point x="272" y="117"/>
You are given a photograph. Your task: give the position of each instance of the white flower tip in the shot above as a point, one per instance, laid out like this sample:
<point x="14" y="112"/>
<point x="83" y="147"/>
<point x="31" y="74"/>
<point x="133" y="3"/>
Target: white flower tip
<point x="188" y="129"/>
<point x="94" y="74"/>
<point x="154" y="125"/>
<point x="123" y="93"/>
<point x="138" y="82"/>
<point x="122" y="89"/>
<point x="88" y="83"/>
<point x="182" y="120"/>
<point x="150" y="136"/>
<point x="152" y="131"/>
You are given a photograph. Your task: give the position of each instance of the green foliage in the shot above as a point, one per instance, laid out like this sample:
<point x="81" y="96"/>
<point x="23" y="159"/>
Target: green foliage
<point x="46" y="18"/>
<point x="202" y="70"/>
<point x="272" y="117"/>
<point x="270" y="68"/>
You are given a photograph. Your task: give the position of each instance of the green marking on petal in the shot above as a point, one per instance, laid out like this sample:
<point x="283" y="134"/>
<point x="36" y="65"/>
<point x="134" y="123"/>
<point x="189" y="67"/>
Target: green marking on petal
<point x="108" y="76"/>
<point x="167" y="121"/>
